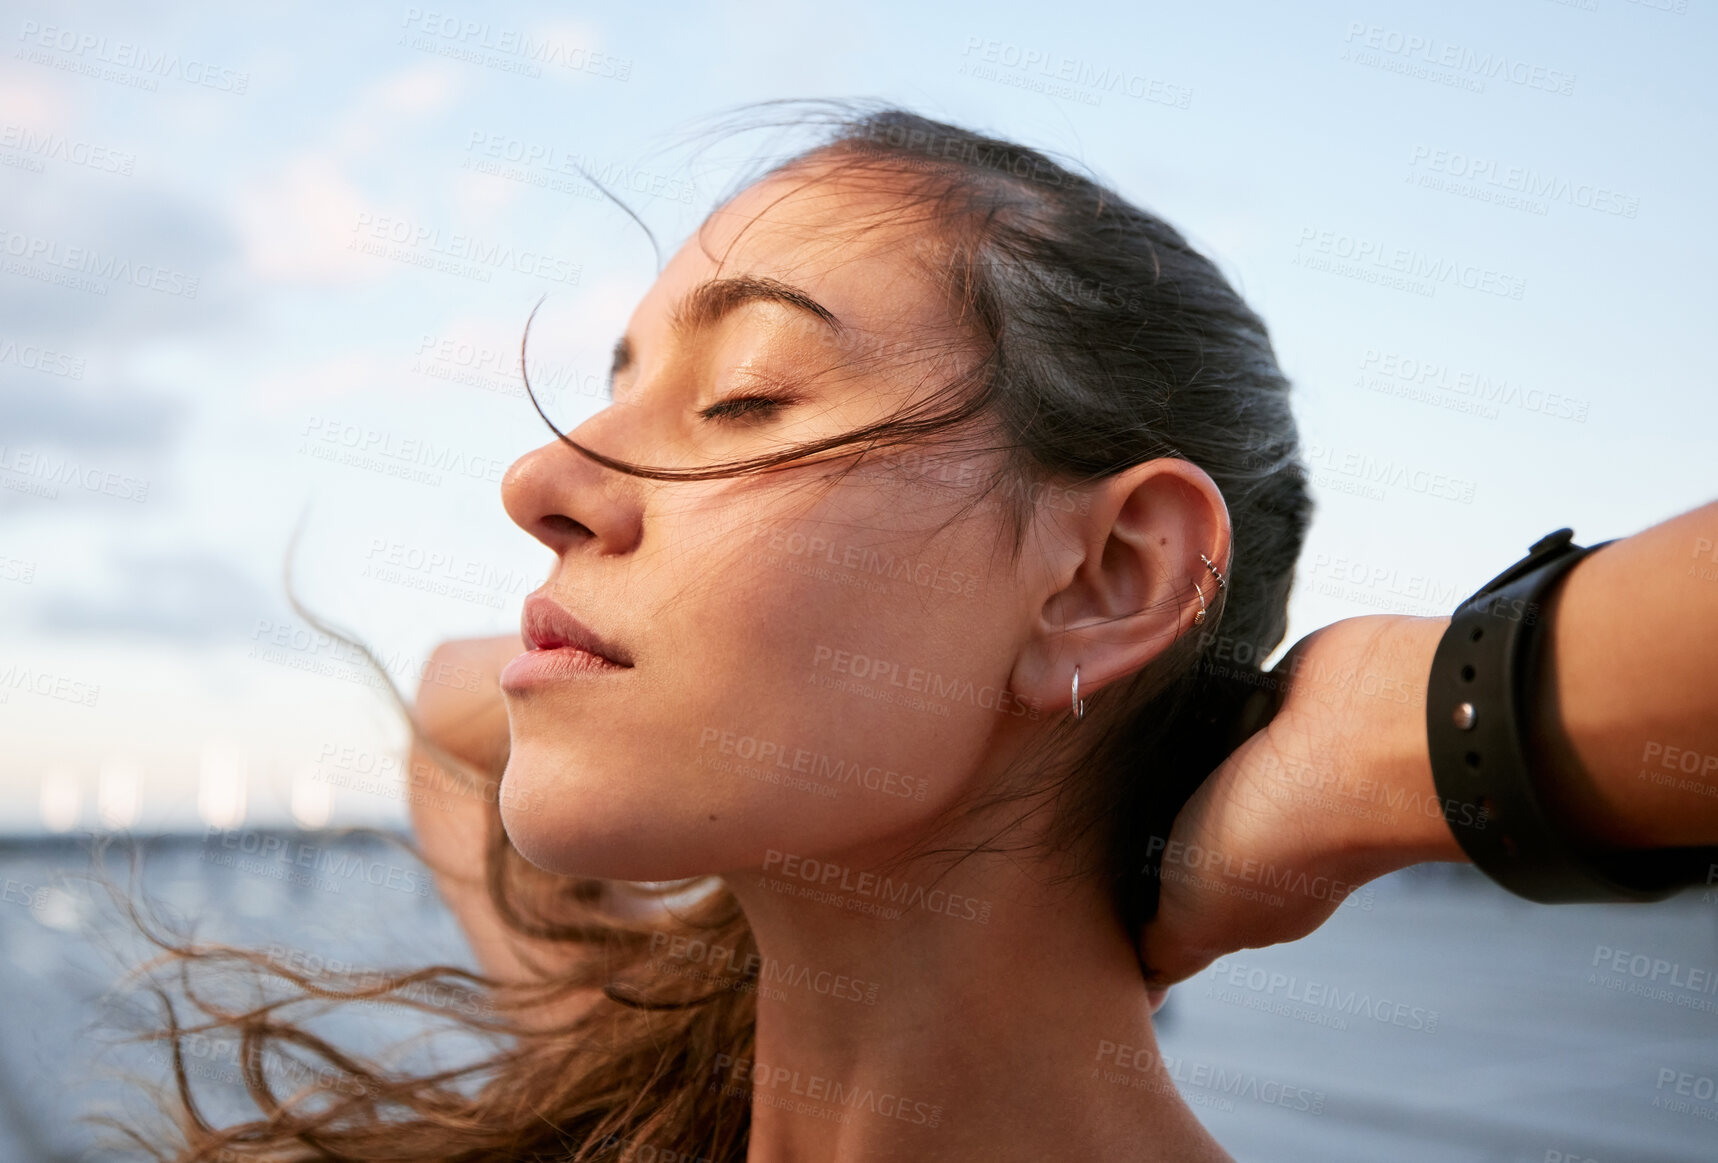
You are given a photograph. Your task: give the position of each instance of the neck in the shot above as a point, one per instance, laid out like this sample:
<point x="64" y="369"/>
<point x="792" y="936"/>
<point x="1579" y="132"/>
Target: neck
<point x="977" y="1013"/>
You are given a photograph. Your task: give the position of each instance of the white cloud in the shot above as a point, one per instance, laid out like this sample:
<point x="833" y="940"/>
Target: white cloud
<point x="376" y="113"/>
<point x="427" y="88"/>
<point x="295" y="224"/>
<point x="32" y="105"/>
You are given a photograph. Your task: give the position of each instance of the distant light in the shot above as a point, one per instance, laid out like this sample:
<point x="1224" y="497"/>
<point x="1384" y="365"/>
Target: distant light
<point x="312" y="800"/>
<point x="60" y="910"/>
<point x="118" y="793"/>
<point x="221" y="790"/>
<point x="62" y="800"/>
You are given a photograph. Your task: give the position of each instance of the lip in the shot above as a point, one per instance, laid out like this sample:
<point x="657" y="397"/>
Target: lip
<point x="559" y="646"/>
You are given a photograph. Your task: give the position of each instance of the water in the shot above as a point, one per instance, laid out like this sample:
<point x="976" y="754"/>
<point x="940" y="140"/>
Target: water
<point x="1435" y="1018"/>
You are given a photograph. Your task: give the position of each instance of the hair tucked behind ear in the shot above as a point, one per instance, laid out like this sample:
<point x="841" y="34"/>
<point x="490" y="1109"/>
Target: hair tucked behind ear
<point x="1113" y="342"/>
<point x="1106" y="341"/>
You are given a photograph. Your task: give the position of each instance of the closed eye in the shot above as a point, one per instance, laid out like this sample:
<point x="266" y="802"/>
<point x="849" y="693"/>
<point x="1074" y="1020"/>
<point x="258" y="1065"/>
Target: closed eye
<point x="735" y="407"/>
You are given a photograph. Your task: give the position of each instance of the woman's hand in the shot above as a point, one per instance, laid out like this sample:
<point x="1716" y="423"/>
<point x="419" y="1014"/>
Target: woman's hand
<point x="1334" y="791"/>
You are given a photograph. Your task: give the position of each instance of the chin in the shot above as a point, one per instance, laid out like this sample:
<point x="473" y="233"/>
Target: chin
<point x="648" y="815"/>
<point x="568" y="820"/>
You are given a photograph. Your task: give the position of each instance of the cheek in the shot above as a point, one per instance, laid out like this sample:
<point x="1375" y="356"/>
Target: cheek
<point x="803" y="694"/>
<point x="859" y="678"/>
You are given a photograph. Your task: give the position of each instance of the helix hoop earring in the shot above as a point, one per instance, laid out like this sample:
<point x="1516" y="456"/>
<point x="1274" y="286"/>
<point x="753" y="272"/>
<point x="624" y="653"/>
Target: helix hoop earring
<point x="1199" y="618"/>
<point x="1077" y="702"/>
<point x="1215" y="572"/>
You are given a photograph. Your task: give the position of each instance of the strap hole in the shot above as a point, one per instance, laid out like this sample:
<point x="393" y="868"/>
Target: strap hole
<point x="1471" y="759"/>
<point x="1467" y="673"/>
<point x="1476" y="634"/>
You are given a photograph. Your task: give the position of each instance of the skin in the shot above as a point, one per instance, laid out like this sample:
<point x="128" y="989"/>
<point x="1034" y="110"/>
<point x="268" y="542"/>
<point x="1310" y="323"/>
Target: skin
<point x="1007" y="1028"/>
<point x="1002" y="1024"/>
<point x="1629" y="693"/>
<point x="1625" y="725"/>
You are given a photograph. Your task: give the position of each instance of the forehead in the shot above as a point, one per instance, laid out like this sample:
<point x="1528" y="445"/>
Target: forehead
<point x="856" y="249"/>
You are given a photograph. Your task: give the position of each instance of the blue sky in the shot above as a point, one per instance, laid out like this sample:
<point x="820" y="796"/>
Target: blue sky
<point x="236" y="244"/>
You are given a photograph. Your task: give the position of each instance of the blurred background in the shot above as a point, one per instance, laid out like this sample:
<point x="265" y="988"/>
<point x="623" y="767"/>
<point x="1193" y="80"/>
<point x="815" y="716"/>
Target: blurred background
<point x="270" y="271"/>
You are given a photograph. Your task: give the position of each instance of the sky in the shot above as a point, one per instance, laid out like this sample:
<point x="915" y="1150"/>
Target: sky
<point x="266" y="272"/>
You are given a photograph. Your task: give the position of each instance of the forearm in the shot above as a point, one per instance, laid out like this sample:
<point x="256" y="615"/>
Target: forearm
<point x="1337" y="788"/>
<point x="1627" y="713"/>
<point x="1405" y="821"/>
<point x="456" y="825"/>
<point x="452" y="829"/>
<point x="1624" y="722"/>
<point x="454" y="812"/>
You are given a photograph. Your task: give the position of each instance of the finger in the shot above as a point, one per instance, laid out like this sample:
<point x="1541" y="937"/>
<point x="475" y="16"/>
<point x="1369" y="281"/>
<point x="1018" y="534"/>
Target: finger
<point x="1173" y="952"/>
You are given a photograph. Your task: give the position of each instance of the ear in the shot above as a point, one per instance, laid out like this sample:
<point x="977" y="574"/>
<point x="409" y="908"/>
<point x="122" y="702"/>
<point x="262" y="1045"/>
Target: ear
<point x="1116" y="585"/>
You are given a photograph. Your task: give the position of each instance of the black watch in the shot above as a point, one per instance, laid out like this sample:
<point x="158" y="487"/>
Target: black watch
<point x="1478" y="705"/>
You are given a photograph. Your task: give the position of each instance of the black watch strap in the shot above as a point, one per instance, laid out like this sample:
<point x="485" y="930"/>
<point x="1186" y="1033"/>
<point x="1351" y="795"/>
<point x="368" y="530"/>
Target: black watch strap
<point x="1478" y="703"/>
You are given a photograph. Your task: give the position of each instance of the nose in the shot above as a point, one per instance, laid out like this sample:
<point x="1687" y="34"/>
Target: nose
<point x="568" y="501"/>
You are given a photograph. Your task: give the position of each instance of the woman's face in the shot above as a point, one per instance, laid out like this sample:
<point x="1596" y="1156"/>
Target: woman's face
<point x="819" y="656"/>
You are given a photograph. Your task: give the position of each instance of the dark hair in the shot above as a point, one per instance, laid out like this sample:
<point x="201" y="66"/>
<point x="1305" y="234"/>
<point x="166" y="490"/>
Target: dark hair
<point x="1103" y="340"/>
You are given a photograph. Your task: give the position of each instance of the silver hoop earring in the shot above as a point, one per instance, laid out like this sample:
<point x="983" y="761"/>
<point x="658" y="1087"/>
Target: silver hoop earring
<point x="1199" y="618"/>
<point x="1215" y="572"/>
<point x="1078" y="703"/>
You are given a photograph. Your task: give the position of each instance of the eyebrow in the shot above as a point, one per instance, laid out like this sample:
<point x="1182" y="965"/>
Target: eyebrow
<point x="706" y="304"/>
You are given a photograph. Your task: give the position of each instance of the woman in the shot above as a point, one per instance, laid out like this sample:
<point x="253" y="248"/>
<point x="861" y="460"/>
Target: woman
<point x="885" y="593"/>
